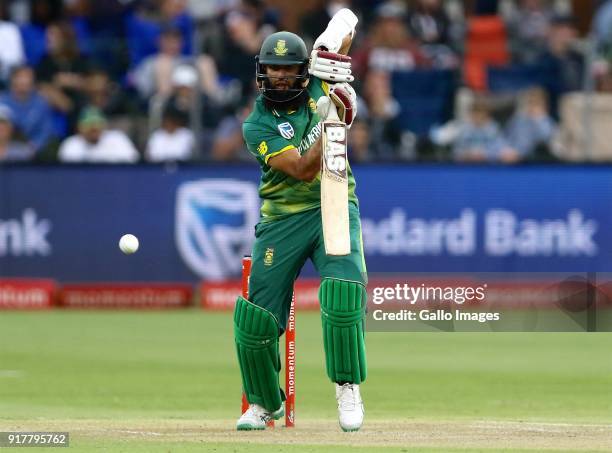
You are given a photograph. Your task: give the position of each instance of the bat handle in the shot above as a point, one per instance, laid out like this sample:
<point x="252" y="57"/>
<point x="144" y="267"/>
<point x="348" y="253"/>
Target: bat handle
<point x="332" y="115"/>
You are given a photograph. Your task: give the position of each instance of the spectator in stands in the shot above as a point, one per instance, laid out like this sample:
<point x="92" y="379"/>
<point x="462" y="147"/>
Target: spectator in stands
<point x="11" y="50"/>
<point x="101" y="92"/>
<point x="480" y="138"/>
<point x="144" y="27"/>
<point x="602" y="25"/>
<point x="602" y="30"/>
<point x="154" y="75"/>
<point x="10" y="149"/>
<point x="242" y="38"/>
<point x="61" y="72"/>
<point x="389" y="46"/>
<point x="562" y="61"/>
<point x="531" y="126"/>
<point x="30" y="110"/>
<point x="100" y="29"/>
<point x="172" y="141"/>
<point x="528" y="29"/>
<point x="382" y="112"/>
<point x="202" y="110"/>
<point x="228" y="144"/>
<point x="429" y="23"/>
<point x="94" y="143"/>
<point x="42" y="13"/>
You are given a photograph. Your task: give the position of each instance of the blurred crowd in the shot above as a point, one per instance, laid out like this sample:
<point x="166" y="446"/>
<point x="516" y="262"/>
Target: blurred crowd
<point x="126" y="81"/>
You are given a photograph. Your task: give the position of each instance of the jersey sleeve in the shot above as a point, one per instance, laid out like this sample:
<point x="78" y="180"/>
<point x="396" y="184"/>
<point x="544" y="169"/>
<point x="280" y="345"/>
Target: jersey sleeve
<point x="317" y="88"/>
<point x="264" y="142"/>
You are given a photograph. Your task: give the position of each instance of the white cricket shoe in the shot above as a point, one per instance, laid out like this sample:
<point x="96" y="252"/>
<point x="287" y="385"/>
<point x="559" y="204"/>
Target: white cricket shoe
<point x="350" y="407"/>
<point x="256" y="418"/>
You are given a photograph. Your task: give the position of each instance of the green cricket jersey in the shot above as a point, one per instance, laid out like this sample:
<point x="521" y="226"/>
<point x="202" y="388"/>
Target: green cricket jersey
<point x="269" y="133"/>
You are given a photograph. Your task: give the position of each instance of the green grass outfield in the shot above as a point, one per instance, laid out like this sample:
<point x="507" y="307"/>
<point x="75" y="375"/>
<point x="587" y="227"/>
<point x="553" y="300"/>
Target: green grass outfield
<point x="168" y="381"/>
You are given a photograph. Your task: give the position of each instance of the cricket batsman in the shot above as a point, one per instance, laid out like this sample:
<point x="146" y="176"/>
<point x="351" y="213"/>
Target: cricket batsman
<point x="284" y="134"/>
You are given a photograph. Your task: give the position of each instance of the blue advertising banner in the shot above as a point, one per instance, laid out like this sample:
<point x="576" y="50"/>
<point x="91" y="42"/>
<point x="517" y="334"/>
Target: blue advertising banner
<point x="196" y="222"/>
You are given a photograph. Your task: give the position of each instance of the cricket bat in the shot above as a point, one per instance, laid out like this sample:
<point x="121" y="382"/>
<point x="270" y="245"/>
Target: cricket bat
<point x="334" y="181"/>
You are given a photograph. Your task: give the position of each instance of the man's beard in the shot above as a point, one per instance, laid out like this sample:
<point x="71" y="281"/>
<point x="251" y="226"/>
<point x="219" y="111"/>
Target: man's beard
<point x="294" y="104"/>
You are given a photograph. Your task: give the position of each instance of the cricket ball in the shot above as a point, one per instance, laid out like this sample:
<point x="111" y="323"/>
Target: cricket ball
<point x="128" y="244"/>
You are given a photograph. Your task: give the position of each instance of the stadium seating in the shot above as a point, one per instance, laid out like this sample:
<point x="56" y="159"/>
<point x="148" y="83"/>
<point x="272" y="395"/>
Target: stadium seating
<point x="514" y="78"/>
<point x="486" y="43"/>
<point x="425" y="97"/>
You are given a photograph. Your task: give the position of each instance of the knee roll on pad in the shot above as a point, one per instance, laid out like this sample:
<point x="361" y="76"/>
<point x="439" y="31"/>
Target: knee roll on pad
<point x="256" y="334"/>
<point x="343" y="306"/>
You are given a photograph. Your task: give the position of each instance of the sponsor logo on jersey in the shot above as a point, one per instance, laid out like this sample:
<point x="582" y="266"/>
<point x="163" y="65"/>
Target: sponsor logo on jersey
<point x="286" y="130"/>
<point x="214" y="225"/>
<point x="269" y="257"/>
<point x="310" y="138"/>
<point x="281" y="48"/>
<point x="262" y="148"/>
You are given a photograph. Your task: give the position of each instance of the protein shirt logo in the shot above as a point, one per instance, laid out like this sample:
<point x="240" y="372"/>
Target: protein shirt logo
<point x="286" y="130"/>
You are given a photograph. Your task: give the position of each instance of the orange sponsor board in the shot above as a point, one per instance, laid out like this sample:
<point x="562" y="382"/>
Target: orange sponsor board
<point x="27" y="294"/>
<point x="128" y="295"/>
<point x="222" y="295"/>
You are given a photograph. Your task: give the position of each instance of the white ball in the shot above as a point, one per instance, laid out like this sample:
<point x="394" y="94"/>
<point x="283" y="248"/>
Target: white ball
<point x="128" y="243"/>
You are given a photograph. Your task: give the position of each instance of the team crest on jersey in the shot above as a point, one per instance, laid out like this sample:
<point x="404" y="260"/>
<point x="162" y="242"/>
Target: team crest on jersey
<point x="269" y="257"/>
<point x="286" y="130"/>
<point x="281" y="48"/>
<point x="312" y="104"/>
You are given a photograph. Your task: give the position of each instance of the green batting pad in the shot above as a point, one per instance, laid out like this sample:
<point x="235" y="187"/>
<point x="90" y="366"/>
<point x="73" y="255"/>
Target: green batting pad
<point x="343" y="306"/>
<point x="256" y="333"/>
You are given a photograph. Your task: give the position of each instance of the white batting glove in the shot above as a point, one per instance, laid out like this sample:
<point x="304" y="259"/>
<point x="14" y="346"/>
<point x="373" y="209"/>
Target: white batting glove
<point x="330" y="66"/>
<point x="345" y="99"/>
<point x="342" y="24"/>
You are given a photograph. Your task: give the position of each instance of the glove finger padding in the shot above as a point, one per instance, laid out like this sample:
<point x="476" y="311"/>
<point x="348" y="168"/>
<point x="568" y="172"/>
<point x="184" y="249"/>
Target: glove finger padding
<point x="345" y="99"/>
<point x="329" y="66"/>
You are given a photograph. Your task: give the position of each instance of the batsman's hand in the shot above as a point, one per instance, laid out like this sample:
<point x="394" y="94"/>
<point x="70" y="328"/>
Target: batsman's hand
<point x="340" y="26"/>
<point x="330" y="66"/>
<point x="345" y="99"/>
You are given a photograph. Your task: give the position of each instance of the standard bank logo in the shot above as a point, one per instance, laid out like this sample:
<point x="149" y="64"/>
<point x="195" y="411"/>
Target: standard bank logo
<point x="286" y="130"/>
<point x="214" y="225"/>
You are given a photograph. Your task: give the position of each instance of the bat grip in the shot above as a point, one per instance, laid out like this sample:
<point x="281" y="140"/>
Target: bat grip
<point x="332" y="115"/>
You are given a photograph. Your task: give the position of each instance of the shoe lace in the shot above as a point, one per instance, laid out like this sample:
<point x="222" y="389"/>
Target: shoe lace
<point x="347" y="400"/>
